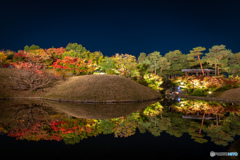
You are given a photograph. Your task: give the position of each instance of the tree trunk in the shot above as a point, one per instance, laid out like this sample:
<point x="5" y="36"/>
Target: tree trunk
<point x="218" y="71"/>
<point x="200" y="65"/>
<point x="215" y="69"/>
<point x="155" y="66"/>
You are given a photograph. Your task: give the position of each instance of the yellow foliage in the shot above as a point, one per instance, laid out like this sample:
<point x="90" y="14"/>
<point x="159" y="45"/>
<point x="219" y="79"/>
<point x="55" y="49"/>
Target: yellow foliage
<point x="3" y="57"/>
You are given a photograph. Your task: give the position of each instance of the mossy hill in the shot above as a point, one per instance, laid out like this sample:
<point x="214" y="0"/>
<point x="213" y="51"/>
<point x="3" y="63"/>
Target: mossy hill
<point x="101" y="88"/>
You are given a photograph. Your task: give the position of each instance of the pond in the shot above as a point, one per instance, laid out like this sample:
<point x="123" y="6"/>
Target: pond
<point x="165" y="129"/>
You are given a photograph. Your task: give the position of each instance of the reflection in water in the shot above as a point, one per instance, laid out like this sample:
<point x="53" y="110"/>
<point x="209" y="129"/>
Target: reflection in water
<point x="42" y="120"/>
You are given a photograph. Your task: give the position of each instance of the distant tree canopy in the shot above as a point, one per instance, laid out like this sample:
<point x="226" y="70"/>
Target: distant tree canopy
<point x="218" y="58"/>
<point x="32" y="47"/>
<point x="78" y="48"/>
<point x="177" y="62"/>
<point x="169" y="65"/>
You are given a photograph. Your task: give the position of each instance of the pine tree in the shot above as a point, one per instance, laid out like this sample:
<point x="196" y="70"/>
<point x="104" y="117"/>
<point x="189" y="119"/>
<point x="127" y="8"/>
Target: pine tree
<point x="151" y="60"/>
<point x="194" y="56"/>
<point x="218" y="56"/>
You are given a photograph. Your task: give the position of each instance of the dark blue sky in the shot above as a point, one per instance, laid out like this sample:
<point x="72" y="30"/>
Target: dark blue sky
<point x="120" y="26"/>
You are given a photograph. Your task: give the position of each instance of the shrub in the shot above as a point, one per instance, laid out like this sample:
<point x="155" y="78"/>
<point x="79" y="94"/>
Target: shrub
<point x="223" y="88"/>
<point x="201" y="85"/>
<point x="31" y="77"/>
<point x="21" y="56"/>
<point x="199" y="92"/>
<point x="74" y="65"/>
<point x="154" y="81"/>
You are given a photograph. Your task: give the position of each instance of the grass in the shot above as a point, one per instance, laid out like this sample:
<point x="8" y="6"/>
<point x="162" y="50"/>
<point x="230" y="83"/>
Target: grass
<point x="233" y="94"/>
<point x="88" y="87"/>
<point x="102" y="88"/>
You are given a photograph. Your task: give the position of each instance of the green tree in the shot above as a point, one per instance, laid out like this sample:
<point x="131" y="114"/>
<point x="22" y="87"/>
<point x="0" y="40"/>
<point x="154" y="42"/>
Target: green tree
<point x="96" y="57"/>
<point x="126" y="65"/>
<point x="108" y="65"/>
<point x="234" y="69"/>
<point x="194" y="56"/>
<point x="177" y="62"/>
<point x="141" y="57"/>
<point x="151" y="60"/>
<point x="234" y="59"/>
<point x="78" y="48"/>
<point x="70" y="53"/>
<point x="218" y="56"/>
<point x="163" y="65"/>
<point x="32" y="47"/>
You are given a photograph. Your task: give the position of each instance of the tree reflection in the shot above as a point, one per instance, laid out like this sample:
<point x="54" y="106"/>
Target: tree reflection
<point x="32" y="122"/>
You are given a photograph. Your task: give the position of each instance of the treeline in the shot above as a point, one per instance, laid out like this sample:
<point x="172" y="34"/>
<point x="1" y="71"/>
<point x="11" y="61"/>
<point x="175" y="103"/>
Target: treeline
<point x="75" y="59"/>
<point x="218" y="58"/>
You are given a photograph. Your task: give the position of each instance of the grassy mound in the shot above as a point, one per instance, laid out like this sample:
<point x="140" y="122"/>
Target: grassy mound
<point x="7" y="89"/>
<point x="101" y="88"/>
<point x="233" y="94"/>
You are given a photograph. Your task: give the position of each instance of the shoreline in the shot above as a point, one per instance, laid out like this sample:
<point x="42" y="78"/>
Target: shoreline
<point x="126" y="101"/>
<point x="81" y="101"/>
<point x="209" y="98"/>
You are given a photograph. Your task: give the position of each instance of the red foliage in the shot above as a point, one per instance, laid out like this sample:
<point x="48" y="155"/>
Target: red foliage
<point x="20" y="56"/>
<point x="57" y="65"/>
<point x="56" y="52"/>
<point x="74" y="64"/>
<point x="27" y="66"/>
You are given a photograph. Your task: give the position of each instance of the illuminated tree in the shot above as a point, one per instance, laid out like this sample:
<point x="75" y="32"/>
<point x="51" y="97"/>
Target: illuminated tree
<point x="78" y="48"/>
<point x="3" y="57"/>
<point x="163" y="65"/>
<point x="126" y="65"/>
<point x="32" y="47"/>
<point x="151" y="61"/>
<point x="108" y="65"/>
<point x="153" y="81"/>
<point x="218" y="56"/>
<point x="75" y="65"/>
<point x="194" y="57"/>
<point x="177" y="62"/>
<point x="56" y="52"/>
<point x="39" y="56"/>
<point x="142" y="57"/>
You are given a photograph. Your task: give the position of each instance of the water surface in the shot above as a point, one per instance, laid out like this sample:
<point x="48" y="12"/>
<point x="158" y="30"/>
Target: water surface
<point x="168" y="129"/>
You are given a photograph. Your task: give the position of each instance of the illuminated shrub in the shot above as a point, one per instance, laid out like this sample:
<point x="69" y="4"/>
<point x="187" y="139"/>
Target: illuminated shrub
<point x="153" y="81"/>
<point x="202" y="85"/>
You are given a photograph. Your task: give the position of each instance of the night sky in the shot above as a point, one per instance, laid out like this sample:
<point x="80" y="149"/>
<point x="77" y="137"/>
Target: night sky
<point x="120" y="26"/>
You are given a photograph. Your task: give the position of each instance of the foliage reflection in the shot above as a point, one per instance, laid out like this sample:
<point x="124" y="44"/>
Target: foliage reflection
<point x="200" y="119"/>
